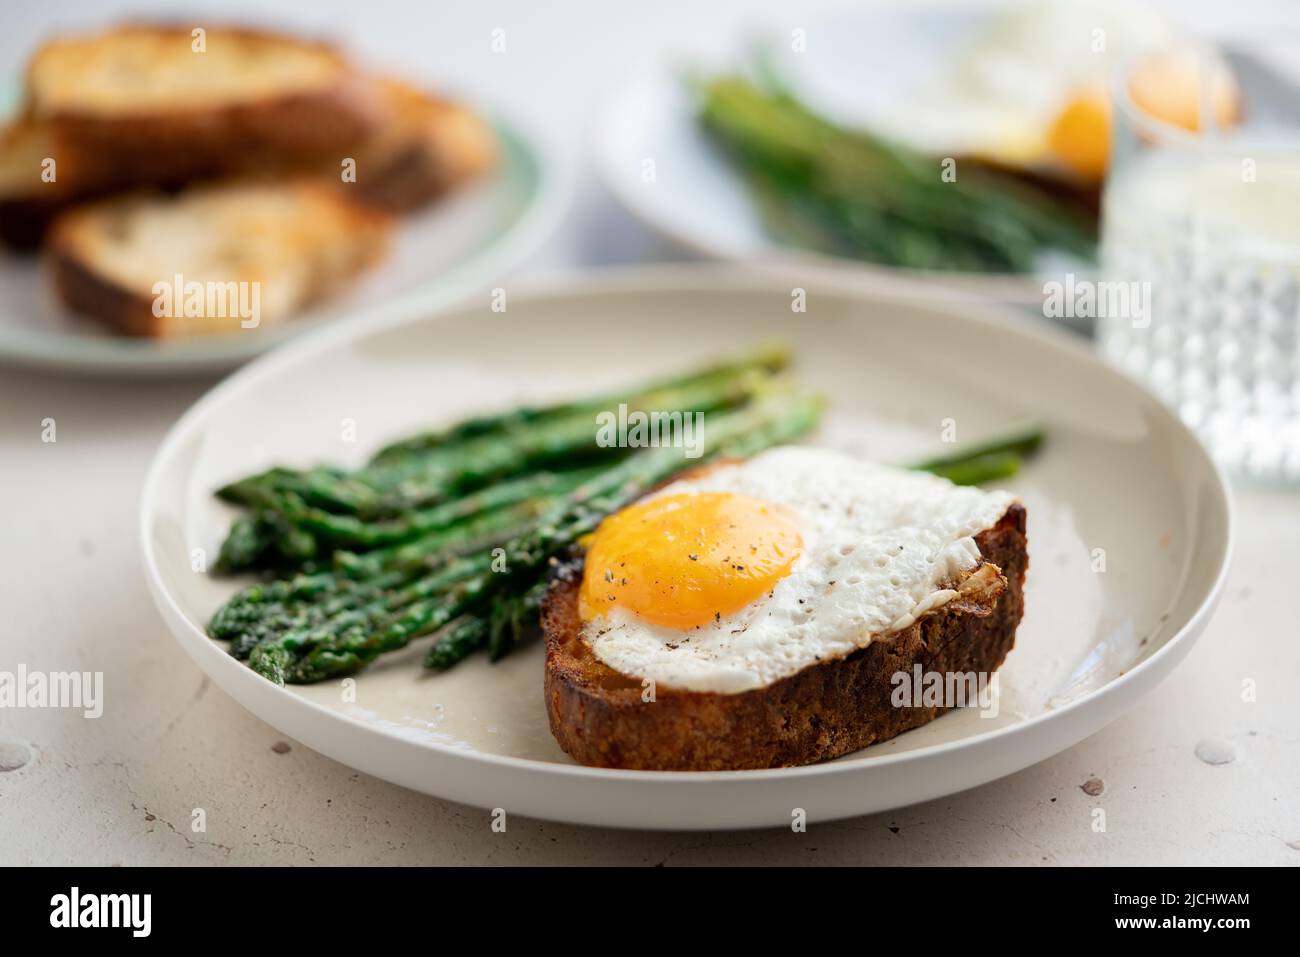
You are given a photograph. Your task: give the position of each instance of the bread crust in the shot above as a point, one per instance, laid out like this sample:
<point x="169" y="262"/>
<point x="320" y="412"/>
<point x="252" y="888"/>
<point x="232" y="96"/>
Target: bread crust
<point x="25" y="219"/>
<point x="85" y="291"/>
<point x="826" y="710"/>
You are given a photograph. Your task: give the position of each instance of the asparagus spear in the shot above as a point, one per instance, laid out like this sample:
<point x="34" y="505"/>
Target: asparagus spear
<point x="247" y="544"/>
<point x="980" y="468"/>
<point x="463" y="638"/>
<point x="384" y="611"/>
<point x="260" y="612"/>
<point x="518" y="614"/>
<point x="481" y="517"/>
<point x="287" y="606"/>
<point x="349" y="530"/>
<point x="770" y="357"/>
<point x="486" y="531"/>
<point x="1021" y="439"/>
<point x="423" y="480"/>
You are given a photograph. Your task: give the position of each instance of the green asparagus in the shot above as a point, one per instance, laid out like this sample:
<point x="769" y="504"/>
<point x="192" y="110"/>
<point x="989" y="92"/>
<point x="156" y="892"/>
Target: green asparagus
<point x="850" y="193"/>
<point x="771" y="357"/>
<point x="299" y="517"/>
<point x="1021" y="439"/>
<point x="466" y="636"/>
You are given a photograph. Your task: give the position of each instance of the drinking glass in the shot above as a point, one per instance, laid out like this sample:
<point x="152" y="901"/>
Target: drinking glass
<point x="1203" y="230"/>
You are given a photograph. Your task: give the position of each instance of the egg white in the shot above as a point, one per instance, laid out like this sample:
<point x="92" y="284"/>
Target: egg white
<point x="879" y="545"/>
<point x="998" y="94"/>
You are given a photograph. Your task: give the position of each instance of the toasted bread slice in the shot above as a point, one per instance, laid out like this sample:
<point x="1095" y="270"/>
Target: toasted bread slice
<point x="826" y="710"/>
<point x="160" y="107"/>
<point x="132" y="261"/>
<point x="425" y="148"/>
<point x="40" y="176"/>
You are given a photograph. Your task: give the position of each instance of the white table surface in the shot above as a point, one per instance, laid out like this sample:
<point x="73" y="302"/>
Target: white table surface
<point x="121" y="789"/>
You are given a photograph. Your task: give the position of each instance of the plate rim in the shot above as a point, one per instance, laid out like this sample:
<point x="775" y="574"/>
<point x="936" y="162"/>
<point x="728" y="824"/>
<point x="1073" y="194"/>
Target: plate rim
<point x="538" y="219"/>
<point x="654" y="279"/>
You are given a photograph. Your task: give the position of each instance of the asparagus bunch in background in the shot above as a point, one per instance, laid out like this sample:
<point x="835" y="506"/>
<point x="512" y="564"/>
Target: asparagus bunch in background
<point x="849" y="193"/>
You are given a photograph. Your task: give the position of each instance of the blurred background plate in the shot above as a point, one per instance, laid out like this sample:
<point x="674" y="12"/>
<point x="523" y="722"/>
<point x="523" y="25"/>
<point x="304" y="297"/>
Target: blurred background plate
<point x="454" y="247"/>
<point x="947" y="78"/>
<point x="865" y="62"/>
<point x="1118" y="474"/>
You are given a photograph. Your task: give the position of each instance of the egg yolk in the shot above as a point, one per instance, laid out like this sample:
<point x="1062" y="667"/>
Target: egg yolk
<point x="1080" y="137"/>
<point x="685" y="560"/>
<point x="1169" y="87"/>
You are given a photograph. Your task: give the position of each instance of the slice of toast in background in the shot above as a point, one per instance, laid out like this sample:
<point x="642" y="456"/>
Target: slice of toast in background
<point x="224" y="129"/>
<point x="826" y="710"/>
<point x="296" y="241"/>
<point x="40" y="176"/>
<point x="157" y="110"/>
<point x="425" y="147"/>
<point x="421" y="148"/>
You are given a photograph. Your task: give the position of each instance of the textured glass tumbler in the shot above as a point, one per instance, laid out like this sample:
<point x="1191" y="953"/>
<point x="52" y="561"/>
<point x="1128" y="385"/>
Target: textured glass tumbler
<point x="1202" y="232"/>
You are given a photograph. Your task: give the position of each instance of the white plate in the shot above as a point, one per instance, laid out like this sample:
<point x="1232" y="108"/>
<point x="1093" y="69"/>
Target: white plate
<point x="855" y="69"/>
<point x="1119" y="473"/>
<point x="439" y="255"/>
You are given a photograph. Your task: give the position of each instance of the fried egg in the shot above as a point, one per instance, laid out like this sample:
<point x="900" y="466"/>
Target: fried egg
<point x="1029" y="89"/>
<point x="743" y="574"/>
